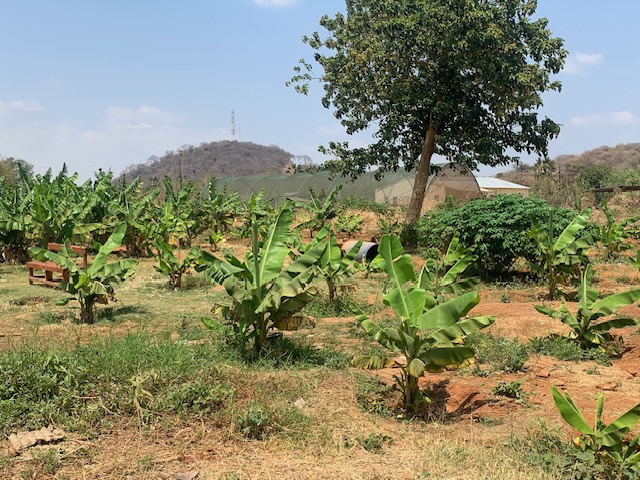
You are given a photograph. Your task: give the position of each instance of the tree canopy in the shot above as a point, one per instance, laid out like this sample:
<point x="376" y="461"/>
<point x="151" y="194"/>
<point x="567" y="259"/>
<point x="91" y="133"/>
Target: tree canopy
<point x="460" y="78"/>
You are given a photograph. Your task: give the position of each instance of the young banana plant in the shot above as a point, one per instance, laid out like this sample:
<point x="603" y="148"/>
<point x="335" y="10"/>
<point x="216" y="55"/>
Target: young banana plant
<point x="321" y="211"/>
<point x="264" y="293"/>
<point x="561" y="257"/>
<point x="170" y="265"/>
<point x="585" y="328"/>
<point x="445" y="276"/>
<point x="335" y="267"/>
<point x="430" y="335"/>
<point x="94" y="284"/>
<point x="602" y="439"/>
<point x="614" y="234"/>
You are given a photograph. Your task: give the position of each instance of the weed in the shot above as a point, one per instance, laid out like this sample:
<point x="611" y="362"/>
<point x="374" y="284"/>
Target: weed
<point x="374" y="442"/>
<point x="47" y="460"/>
<point x="560" y="348"/>
<point x="502" y="354"/>
<point x="260" y="422"/>
<point x="195" y="397"/>
<point x="509" y="390"/>
<point x="547" y="448"/>
<point x="505" y="298"/>
<point x="624" y="280"/>
<point x="374" y="396"/>
<point x="489" y="421"/>
<point x="145" y="464"/>
<point x="47" y="318"/>
<point x="592" y="371"/>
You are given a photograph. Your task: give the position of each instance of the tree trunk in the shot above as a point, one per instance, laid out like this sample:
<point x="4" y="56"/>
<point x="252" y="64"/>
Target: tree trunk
<point x="422" y="177"/>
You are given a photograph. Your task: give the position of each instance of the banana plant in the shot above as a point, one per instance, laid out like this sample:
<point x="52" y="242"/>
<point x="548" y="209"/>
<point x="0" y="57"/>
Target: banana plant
<point x="586" y="329"/>
<point x="14" y="210"/>
<point x="321" y="211"/>
<point x="607" y="441"/>
<point x="264" y="294"/>
<point x="335" y="267"/>
<point x="258" y="212"/>
<point x="614" y="234"/>
<point x="222" y="207"/>
<point x="95" y="283"/>
<point x="445" y="276"/>
<point x="430" y="335"/>
<point x="561" y="257"/>
<point x="169" y="264"/>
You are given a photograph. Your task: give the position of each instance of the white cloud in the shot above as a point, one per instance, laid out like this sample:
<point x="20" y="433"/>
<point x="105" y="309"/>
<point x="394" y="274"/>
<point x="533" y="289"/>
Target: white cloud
<point x="26" y="106"/>
<point x="140" y="118"/>
<point x="275" y="3"/>
<point x="123" y="137"/>
<point x="605" y="119"/>
<point x="580" y="62"/>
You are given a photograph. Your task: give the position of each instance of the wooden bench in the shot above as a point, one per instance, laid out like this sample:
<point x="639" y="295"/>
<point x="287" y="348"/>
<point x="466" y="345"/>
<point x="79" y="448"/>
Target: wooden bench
<point x="49" y="268"/>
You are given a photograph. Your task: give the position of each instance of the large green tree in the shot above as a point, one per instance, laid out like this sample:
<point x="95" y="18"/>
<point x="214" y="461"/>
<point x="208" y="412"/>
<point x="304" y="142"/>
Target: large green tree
<point x="459" y="78"/>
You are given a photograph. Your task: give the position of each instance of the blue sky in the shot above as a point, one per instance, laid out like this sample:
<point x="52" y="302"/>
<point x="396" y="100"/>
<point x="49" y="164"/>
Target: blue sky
<point x="108" y="84"/>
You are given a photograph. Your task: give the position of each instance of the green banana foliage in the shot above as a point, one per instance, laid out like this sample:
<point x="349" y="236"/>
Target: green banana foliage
<point x="94" y="284"/>
<point x="259" y="212"/>
<point x="586" y="329"/>
<point x="172" y="266"/>
<point x="561" y="258"/>
<point x="606" y="441"/>
<point x="614" y="234"/>
<point x="446" y="276"/>
<point x="333" y="266"/>
<point x="430" y="335"/>
<point x="263" y="293"/>
<point x="321" y="211"/>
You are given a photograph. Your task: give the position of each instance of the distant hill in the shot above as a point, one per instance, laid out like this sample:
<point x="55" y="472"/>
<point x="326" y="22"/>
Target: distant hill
<point x="621" y="157"/>
<point x="220" y="159"/>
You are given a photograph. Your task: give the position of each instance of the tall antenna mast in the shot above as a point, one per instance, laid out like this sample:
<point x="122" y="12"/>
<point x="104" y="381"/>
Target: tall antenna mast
<point x="233" y="124"/>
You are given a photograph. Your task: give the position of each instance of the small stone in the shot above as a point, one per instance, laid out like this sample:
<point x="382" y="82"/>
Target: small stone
<point x="608" y="387"/>
<point x="300" y="403"/>
<point x="187" y="475"/>
<point x="544" y="373"/>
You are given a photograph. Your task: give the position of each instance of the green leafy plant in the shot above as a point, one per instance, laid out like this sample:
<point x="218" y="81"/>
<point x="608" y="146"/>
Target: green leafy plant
<point x="322" y="210"/>
<point x="258" y="212"/>
<point x="335" y="267"/>
<point x="585" y="328"/>
<point x="498" y="227"/>
<point x="561" y="256"/>
<point x="606" y="441"/>
<point x="94" y="284"/>
<point x="445" y="275"/>
<point x="172" y="265"/>
<point x="348" y="223"/>
<point x="264" y="293"/>
<point x="430" y="335"/>
<point x="614" y="234"/>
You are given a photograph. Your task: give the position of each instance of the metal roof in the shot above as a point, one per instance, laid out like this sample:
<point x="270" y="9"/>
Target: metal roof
<point x="492" y="182"/>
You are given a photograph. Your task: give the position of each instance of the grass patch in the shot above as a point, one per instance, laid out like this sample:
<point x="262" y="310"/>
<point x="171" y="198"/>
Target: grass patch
<point x="81" y="388"/>
<point x="261" y="421"/>
<point x="374" y="396"/>
<point x="499" y="353"/>
<point x="564" y="349"/>
<point x="549" y="450"/>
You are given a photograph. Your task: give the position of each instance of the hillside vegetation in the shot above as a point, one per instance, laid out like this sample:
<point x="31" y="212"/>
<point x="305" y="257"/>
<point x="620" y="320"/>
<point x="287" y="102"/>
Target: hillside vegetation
<point x="220" y="159"/>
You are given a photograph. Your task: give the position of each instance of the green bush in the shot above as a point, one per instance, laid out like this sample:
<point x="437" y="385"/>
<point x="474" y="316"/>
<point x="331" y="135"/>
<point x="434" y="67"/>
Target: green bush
<point x="497" y="226"/>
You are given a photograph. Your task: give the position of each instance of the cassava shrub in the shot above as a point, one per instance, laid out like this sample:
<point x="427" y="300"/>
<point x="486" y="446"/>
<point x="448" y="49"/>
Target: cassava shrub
<point x="498" y="227"/>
